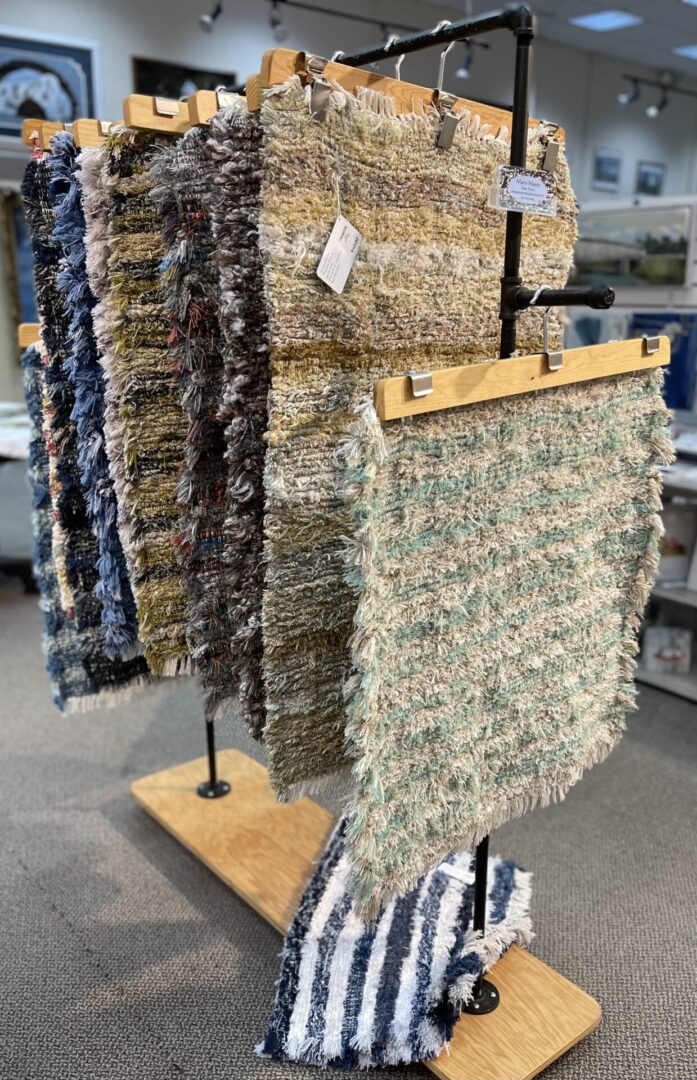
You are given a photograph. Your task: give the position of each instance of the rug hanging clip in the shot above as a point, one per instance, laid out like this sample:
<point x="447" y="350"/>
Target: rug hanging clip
<point x="651" y="344"/>
<point x="554" y="357"/>
<point x="165" y="106"/>
<point x="320" y="89"/>
<point x="421" y="383"/>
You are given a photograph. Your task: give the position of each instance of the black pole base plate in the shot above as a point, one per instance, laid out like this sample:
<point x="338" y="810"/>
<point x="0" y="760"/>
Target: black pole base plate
<point x="213" y="791"/>
<point x="485" y="1001"/>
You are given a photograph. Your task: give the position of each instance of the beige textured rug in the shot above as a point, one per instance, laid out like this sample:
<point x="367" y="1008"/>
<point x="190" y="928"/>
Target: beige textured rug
<point x="424" y="293"/>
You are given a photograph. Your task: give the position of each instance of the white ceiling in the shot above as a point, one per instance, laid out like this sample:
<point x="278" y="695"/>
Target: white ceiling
<point x="667" y="24"/>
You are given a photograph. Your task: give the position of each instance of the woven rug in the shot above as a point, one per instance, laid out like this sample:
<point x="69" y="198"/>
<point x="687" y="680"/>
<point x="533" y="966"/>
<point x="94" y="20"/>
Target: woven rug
<point x="235" y="149"/>
<point x="502" y="556"/>
<point x="181" y="175"/>
<point x="111" y="678"/>
<point x="352" y="994"/>
<point x="423" y="294"/>
<point x="70" y="680"/>
<point x="84" y="373"/>
<point x="145" y="401"/>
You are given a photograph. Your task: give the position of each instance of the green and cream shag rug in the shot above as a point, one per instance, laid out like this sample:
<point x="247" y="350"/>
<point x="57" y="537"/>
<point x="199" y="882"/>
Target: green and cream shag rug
<point x="502" y="555"/>
<point x="423" y="294"/>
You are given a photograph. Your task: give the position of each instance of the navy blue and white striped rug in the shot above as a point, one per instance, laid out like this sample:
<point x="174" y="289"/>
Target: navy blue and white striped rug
<point x="354" y="994"/>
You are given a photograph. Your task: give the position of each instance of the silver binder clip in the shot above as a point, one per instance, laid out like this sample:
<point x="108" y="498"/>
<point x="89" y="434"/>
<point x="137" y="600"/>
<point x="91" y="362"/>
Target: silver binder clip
<point x="166" y="106"/>
<point x="320" y="90"/>
<point x="554" y="358"/>
<point x="421" y="383"/>
<point x="551" y="156"/>
<point x="651" y="344"/>
<point x="449" y="121"/>
<point x="104" y="127"/>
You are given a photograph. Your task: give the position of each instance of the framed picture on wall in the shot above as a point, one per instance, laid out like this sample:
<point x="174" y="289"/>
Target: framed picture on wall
<point x="607" y="169"/>
<point x="650" y="177"/>
<point x="162" y="79"/>
<point x="46" y="78"/>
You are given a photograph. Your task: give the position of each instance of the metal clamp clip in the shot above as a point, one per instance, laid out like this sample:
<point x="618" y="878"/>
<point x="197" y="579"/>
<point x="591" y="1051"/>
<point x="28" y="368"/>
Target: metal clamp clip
<point x="104" y="127"/>
<point x="421" y="383"/>
<point x="651" y="344"/>
<point x="554" y="357"/>
<point x="166" y="106"/>
<point x="320" y="89"/>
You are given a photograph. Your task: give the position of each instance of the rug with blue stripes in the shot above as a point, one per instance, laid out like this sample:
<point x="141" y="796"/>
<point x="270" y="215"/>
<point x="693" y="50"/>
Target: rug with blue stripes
<point x="358" y="994"/>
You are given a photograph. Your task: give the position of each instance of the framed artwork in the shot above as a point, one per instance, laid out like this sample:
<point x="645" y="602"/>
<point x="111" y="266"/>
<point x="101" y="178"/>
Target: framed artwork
<point x="607" y="169"/>
<point x="162" y="79"/>
<point x="650" y="176"/>
<point x="45" y="78"/>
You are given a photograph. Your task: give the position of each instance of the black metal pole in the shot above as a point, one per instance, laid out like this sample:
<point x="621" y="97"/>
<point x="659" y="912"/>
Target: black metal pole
<point x="514" y="221"/>
<point x="212" y="788"/>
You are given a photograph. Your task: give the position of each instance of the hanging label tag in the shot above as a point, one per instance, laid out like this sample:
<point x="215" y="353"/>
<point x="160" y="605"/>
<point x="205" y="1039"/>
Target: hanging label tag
<point x="529" y="191"/>
<point x="339" y="255"/>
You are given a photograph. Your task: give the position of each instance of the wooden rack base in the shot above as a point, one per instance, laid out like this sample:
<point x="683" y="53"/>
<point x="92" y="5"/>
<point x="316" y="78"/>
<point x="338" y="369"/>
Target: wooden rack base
<point x="265" y="850"/>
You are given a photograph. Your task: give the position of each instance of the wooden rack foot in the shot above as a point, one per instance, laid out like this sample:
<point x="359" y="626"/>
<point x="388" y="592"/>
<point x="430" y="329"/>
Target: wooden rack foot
<point x="265" y="851"/>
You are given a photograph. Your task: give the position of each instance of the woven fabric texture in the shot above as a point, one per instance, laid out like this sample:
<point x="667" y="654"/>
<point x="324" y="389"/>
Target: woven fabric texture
<point x="356" y="994"/>
<point x="181" y="175"/>
<point x="69" y="678"/>
<point x="84" y="373"/>
<point x="502" y="555"/>
<point x="145" y="401"/>
<point x="423" y="294"/>
<point x="235" y="149"/>
<point x="79" y="553"/>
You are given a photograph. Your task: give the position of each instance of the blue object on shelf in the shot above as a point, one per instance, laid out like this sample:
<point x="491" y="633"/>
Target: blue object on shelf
<point x="679" y="390"/>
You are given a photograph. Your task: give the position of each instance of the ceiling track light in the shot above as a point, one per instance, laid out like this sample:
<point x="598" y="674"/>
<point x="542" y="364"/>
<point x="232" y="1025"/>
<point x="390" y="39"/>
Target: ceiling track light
<point x="653" y="110"/>
<point x="626" y="97"/>
<point x="206" y="22"/>
<point x="278" y="27"/>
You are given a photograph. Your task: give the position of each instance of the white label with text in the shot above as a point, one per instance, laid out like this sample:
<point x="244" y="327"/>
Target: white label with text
<point x="339" y="255"/>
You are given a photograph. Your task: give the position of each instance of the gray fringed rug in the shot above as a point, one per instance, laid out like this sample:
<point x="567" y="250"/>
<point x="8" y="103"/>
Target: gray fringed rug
<point x="181" y="177"/>
<point x="235" y="149"/>
<point x="423" y="294"/>
<point x="502" y="555"/>
<point x="357" y="995"/>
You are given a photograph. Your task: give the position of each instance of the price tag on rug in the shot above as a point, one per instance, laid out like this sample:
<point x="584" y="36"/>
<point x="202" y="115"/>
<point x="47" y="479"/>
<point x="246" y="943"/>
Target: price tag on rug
<point x="529" y="191"/>
<point x="339" y="255"/>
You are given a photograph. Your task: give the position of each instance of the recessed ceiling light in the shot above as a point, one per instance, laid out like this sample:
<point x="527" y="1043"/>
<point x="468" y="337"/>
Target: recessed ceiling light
<point x="606" y="20"/>
<point x="690" y="51"/>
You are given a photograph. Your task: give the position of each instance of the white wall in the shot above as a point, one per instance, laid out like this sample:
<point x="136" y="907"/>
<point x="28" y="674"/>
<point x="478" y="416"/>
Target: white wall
<point x="573" y="87"/>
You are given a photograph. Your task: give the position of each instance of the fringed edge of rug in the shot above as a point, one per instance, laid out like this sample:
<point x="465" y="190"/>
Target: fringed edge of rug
<point x="382" y="106"/>
<point x="109" y="697"/>
<point x="363" y="452"/>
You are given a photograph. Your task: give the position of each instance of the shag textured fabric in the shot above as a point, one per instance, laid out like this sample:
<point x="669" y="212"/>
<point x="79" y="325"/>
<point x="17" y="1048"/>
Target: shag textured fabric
<point x="423" y="294"/>
<point x="110" y="678"/>
<point x="235" y="148"/>
<point x="502" y="554"/>
<point x="181" y="175"/>
<point x="356" y="994"/>
<point x="83" y="370"/>
<point x="145" y="401"/>
<point x="70" y="680"/>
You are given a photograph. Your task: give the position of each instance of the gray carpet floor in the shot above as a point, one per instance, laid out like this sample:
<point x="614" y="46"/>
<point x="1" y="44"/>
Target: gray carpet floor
<point x="123" y="958"/>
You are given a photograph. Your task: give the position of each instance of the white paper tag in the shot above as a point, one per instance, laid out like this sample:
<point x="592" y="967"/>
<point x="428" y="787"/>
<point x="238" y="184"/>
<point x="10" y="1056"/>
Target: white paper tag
<point x="529" y="191"/>
<point x="339" y="255"/>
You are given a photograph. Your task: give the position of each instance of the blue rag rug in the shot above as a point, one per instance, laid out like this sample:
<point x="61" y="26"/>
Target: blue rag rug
<point x="354" y="994"/>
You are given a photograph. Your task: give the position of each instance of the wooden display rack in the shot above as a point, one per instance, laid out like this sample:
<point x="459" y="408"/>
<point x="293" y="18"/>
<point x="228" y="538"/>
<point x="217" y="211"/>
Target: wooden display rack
<point x="265" y="851"/>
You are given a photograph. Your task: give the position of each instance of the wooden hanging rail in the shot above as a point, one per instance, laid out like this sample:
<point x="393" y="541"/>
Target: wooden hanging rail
<point x="156" y="114"/>
<point x="204" y="104"/>
<point x="491" y="379"/>
<point x="28" y="333"/>
<point x="277" y="65"/>
<point x="91" y="132"/>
